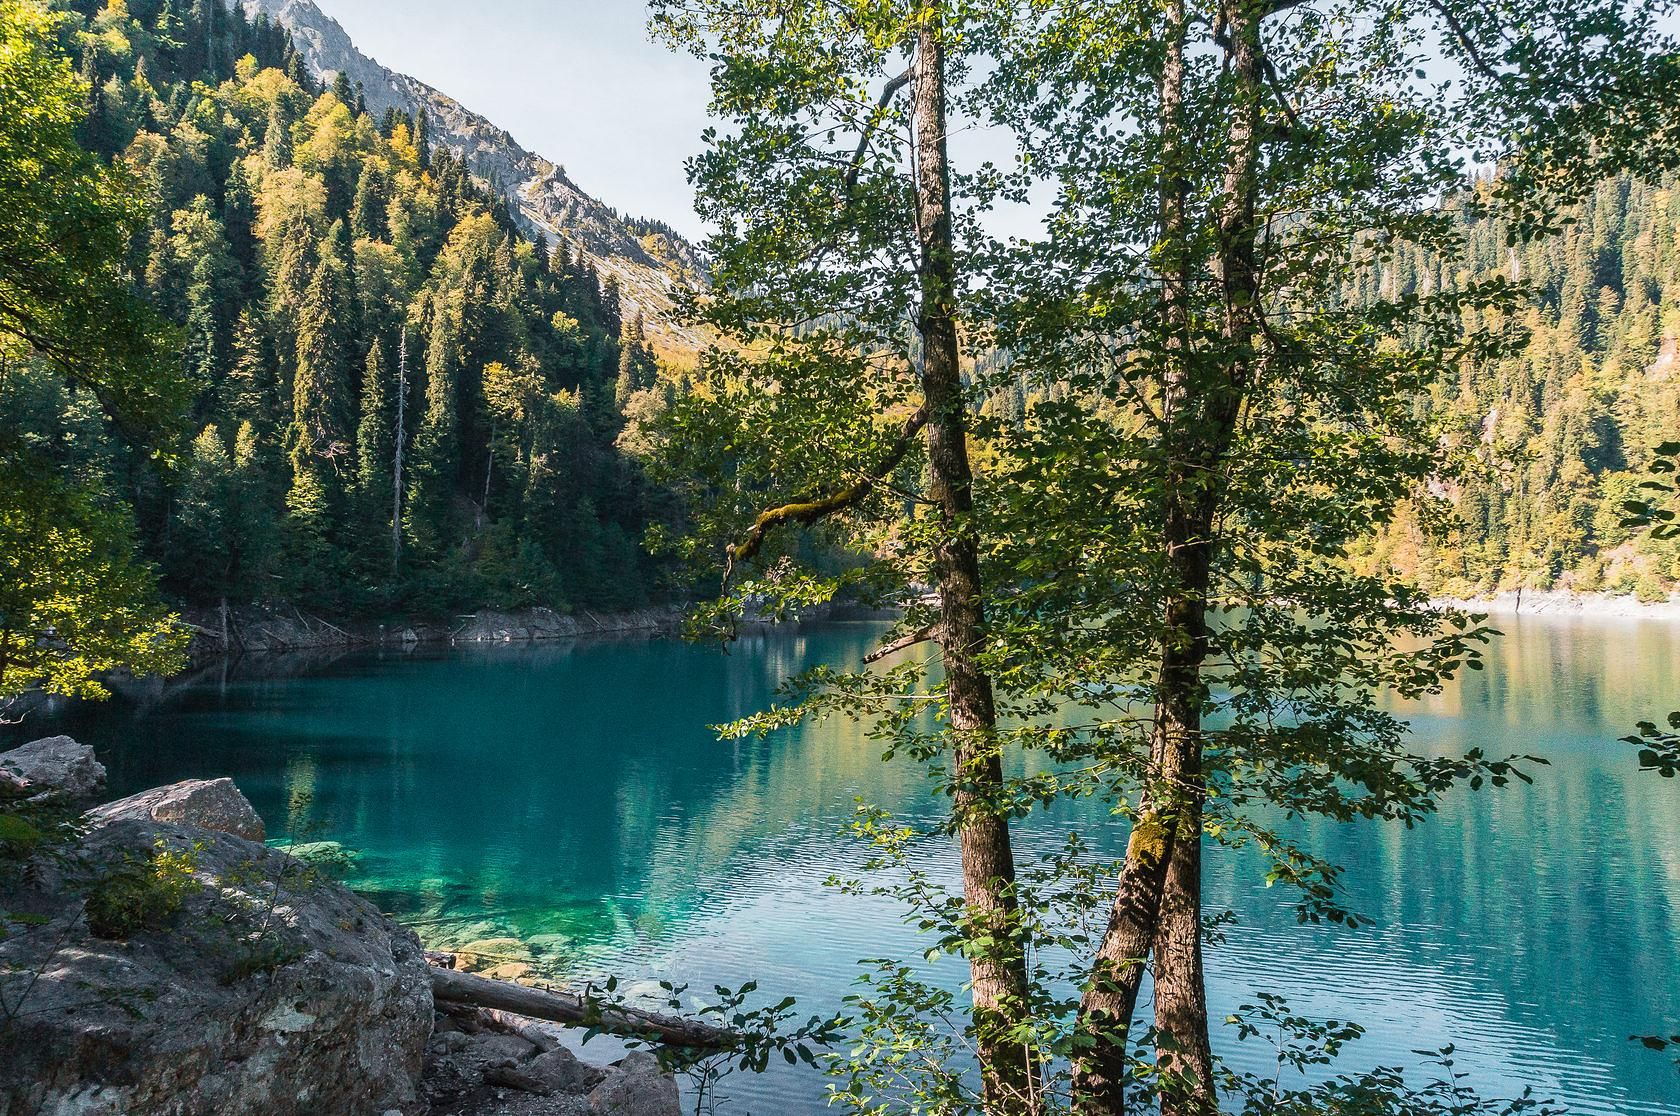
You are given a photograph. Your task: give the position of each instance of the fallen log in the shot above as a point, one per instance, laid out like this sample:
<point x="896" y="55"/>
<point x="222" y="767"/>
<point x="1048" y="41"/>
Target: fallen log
<point x="565" y="1007"/>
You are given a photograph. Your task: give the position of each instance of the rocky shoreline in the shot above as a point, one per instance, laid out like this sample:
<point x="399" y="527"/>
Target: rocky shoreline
<point x="156" y="959"/>
<point x="281" y="627"/>
<point x="1562" y="602"/>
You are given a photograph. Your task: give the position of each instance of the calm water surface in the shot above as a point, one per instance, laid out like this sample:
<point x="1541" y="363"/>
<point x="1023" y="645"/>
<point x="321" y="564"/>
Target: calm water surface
<point x="572" y="796"/>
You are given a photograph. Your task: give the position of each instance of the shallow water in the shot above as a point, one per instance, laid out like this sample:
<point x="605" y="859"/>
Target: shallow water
<point x="571" y="795"/>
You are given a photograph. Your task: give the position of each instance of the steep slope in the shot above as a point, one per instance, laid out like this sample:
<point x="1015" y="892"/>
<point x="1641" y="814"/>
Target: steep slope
<point x="1554" y="437"/>
<point x="650" y="265"/>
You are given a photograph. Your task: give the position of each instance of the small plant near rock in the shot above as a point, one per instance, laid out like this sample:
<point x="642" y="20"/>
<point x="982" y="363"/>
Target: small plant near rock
<point x="29" y="829"/>
<point x="766" y="1032"/>
<point x="138" y="894"/>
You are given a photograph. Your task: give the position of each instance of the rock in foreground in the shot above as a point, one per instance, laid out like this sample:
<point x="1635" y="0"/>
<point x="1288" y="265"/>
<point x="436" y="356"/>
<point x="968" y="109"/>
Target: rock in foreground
<point x="163" y="963"/>
<point x="490" y="1063"/>
<point x="205" y="991"/>
<point x="214" y="804"/>
<point x="56" y="769"/>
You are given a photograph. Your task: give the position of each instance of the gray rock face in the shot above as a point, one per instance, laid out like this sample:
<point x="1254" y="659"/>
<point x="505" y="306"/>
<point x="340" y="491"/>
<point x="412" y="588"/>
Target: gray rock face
<point x="490" y="1063"/>
<point x="267" y="991"/>
<point x="214" y="804"/>
<point x="636" y="1087"/>
<point x="55" y="768"/>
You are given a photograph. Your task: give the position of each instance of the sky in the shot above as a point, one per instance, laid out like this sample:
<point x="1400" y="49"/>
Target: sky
<point x="576" y="81"/>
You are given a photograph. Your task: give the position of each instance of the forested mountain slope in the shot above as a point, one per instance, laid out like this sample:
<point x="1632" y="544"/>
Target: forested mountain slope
<point x="400" y="398"/>
<point x="1551" y="441"/>
<point x="647" y="258"/>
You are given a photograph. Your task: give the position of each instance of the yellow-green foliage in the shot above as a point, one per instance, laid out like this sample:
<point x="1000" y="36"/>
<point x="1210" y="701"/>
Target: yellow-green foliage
<point x="142" y="893"/>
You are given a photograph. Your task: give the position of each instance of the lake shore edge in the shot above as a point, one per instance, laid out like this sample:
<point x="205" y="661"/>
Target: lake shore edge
<point x="283" y="627"/>
<point x="1564" y="602"/>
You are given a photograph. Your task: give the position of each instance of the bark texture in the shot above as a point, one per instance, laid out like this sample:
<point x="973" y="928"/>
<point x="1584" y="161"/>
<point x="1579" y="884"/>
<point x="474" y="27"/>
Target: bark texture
<point x="1157" y="906"/>
<point x="998" y="972"/>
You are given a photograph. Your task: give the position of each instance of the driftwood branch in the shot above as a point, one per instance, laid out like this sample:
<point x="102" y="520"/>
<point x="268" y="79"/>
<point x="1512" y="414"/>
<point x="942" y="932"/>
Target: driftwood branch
<point x="452" y="987"/>
<point x="806" y="512"/>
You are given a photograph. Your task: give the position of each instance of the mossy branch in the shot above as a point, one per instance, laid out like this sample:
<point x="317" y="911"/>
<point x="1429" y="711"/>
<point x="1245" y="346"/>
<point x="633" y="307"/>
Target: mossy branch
<point x="816" y="509"/>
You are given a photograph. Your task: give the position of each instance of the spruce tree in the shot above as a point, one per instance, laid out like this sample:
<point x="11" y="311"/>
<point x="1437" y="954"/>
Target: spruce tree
<point x="277" y="139"/>
<point x="320" y="434"/>
<point x="374" y="437"/>
<point x="423" y="138"/>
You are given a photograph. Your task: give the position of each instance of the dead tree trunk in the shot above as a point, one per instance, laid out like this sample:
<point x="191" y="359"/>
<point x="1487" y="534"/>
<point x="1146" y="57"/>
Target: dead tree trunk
<point x="452" y="987"/>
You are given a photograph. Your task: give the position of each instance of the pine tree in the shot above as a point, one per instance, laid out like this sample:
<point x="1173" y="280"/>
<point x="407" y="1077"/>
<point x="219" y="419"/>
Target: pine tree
<point x="203" y="356"/>
<point x="252" y="390"/>
<point x="423" y="139"/>
<point x="436" y="458"/>
<point x="372" y="201"/>
<point x="277" y="139"/>
<point x="320" y="440"/>
<point x="374" y="443"/>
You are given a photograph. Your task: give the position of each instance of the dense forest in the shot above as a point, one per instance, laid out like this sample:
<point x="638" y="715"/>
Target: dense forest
<point x="398" y="399"/>
<point x="403" y="401"/>
<point x="1552" y="439"/>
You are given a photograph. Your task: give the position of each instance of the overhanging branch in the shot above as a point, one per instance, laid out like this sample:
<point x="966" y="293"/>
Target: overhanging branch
<point x="888" y="92"/>
<point x="807" y="512"/>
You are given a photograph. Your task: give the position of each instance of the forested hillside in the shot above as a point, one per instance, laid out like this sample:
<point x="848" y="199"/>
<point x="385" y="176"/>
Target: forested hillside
<point x="1552" y="440"/>
<point x="398" y="399"/>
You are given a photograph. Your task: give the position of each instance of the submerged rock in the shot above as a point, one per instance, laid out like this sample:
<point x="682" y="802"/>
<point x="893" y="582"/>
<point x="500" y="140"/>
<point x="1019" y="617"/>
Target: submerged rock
<point x="55" y="768"/>
<point x="214" y="804"/>
<point x="229" y="978"/>
<point x="488" y="954"/>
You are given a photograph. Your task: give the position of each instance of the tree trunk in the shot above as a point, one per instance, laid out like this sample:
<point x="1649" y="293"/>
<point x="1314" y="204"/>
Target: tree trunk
<point x="397" y="454"/>
<point x="1181" y="1022"/>
<point x="1181" y="1012"/>
<point x="997" y="971"/>
<point x="1183" y="1051"/>
<point x="449" y="986"/>
<point x="1158" y="904"/>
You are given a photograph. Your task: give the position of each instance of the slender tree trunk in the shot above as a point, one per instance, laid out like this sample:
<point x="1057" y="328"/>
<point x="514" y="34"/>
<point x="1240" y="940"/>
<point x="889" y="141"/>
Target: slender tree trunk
<point x="1181" y="1013"/>
<point x="997" y="971"/>
<point x="1117" y="972"/>
<point x="1183" y="1050"/>
<point x="1157" y="905"/>
<point x="397" y="454"/>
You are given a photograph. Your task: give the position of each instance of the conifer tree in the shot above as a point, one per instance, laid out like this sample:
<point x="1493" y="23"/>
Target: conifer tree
<point x="423" y="138"/>
<point x="322" y="387"/>
<point x="277" y="139"/>
<point x="374" y="451"/>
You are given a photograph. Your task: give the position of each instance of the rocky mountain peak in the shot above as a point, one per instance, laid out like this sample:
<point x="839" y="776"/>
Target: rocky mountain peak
<point x="651" y="266"/>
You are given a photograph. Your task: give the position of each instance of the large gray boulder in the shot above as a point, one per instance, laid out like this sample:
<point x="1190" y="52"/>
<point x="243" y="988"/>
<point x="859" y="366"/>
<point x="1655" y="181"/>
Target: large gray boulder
<point x="55" y="768"/>
<point x="491" y="1063"/>
<point x="232" y="978"/>
<point x="214" y="804"/>
<point x="636" y="1087"/>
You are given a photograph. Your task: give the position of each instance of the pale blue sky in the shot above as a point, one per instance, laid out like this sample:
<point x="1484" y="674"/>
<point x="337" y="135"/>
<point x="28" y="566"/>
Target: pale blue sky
<point x="579" y="82"/>
<point x="576" y="81"/>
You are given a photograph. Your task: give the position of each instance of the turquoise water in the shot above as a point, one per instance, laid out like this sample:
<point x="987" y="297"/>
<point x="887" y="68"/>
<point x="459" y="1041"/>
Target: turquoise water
<point x="571" y="796"/>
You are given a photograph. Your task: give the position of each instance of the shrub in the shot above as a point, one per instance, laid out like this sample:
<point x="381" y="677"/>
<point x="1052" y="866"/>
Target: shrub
<point x="141" y="893"/>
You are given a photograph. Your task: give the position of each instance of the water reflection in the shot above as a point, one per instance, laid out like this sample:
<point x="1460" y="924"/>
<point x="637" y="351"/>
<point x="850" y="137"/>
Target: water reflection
<point x="572" y="795"/>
